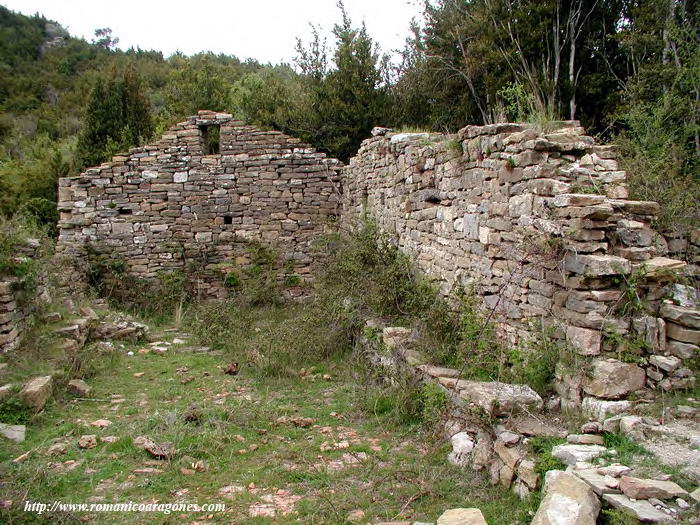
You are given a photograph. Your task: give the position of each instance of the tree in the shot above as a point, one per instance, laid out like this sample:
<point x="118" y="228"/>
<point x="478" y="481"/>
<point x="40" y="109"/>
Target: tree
<point x="118" y="117"/>
<point x="104" y="39"/>
<point x="348" y="98"/>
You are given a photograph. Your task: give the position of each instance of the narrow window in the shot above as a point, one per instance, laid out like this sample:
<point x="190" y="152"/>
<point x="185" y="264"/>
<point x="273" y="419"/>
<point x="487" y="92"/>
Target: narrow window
<point x="125" y="211"/>
<point x="228" y="219"/>
<point x="210" y="139"/>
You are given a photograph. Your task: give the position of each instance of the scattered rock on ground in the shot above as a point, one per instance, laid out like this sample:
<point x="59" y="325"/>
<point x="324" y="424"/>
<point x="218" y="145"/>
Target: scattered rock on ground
<point x="571" y="454"/>
<point x="639" y="488"/>
<point x="78" y="387"/>
<point x="461" y="517"/>
<point x="640" y="509"/>
<point x="567" y="500"/>
<point x="37" y="392"/>
<point x="13" y="432"/>
<point x="87" y="441"/>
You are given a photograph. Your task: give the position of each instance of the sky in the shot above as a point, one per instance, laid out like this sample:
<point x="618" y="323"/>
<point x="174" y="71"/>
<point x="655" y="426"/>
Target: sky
<point x="265" y="30"/>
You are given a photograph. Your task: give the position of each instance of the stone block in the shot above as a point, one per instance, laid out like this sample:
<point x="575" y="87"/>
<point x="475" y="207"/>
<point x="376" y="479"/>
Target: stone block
<point x="613" y="379"/>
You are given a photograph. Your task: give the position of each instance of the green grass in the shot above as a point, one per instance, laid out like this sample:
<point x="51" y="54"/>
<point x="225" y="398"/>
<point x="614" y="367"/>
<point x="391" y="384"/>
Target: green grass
<point x="404" y="471"/>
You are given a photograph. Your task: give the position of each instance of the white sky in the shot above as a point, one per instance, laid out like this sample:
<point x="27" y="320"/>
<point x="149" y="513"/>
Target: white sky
<point x="262" y="29"/>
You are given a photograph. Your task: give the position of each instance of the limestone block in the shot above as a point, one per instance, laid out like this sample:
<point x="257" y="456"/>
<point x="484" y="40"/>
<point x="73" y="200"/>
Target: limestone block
<point x="613" y="379"/>
<point x="462" y="517"/>
<point x="567" y="500"/>
<point x="37" y="391"/>
<point x="687" y="317"/>
<point x="500" y="398"/>
<point x="584" y="340"/>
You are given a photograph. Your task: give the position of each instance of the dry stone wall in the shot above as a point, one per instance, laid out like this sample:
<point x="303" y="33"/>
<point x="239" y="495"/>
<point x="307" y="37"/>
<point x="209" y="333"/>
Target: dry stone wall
<point x="201" y="194"/>
<point x="16" y="304"/>
<point x="540" y="226"/>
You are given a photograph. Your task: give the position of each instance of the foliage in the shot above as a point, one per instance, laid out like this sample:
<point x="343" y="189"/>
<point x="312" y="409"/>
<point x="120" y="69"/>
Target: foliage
<point x="542" y="447"/>
<point x="627" y="449"/>
<point x="15" y="235"/>
<point x="534" y="366"/>
<point x="14" y="412"/>
<point x="156" y="299"/>
<point x="117" y="117"/>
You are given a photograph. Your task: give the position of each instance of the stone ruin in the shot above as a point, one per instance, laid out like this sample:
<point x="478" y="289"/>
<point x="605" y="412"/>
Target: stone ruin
<point x="201" y="195"/>
<point x="537" y="223"/>
<point x="540" y="227"/>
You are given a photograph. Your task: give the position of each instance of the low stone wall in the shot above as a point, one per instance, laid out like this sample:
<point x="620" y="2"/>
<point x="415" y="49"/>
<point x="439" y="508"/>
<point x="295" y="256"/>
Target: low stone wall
<point x="15" y="307"/>
<point x="199" y="196"/>
<point x="539" y="225"/>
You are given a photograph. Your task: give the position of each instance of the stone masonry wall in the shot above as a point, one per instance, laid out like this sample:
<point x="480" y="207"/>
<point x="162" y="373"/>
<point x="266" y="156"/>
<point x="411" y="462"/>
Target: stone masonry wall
<point x="14" y="308"/>
<point x="539" y="224"/>
<point x="172" y="202"/>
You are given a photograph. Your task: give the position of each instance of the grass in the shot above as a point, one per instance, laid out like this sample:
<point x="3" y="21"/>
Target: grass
<point x="406" y="475"/>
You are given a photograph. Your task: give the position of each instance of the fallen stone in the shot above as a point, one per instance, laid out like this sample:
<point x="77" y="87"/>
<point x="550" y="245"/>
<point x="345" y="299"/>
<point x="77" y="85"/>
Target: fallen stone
<point x="615" y="470"/>
<point x="78" y="387"/>
<point x="13" y="432"/>
<point x="461" y="517"/>
<point x="101" y="423"/>
<point x="571" y="454"/>
<point x="585" y="439"/>
<point x="642" y="510"/>
<point x="87" y="441"/>
<point x="613" y="379"/>
<point x="639" y="488"/>
<point x="596" y="481"/>
<point x="696" y="495"/>
<point x="499" y="399"/>
<point x="509" y="439"/>
<point x="6" y="391"/>
<point x="510" y="456"/>
<point x="462" y="446"/>
<point x="527" y="472"/>
<point x="37" y="392"/>
<point x="682" y="504"/>
<point x="57" y="449"/>
<point x="567" y="501"/>
<point x="600" y="409"/>
<point x="592" y="427"/>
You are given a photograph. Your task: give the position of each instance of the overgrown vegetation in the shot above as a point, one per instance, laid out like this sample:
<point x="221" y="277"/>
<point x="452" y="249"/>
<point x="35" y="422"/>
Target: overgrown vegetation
<point x="628" y="70"/>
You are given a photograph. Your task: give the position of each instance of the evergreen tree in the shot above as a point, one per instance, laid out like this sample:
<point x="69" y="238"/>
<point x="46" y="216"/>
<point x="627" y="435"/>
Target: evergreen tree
<point x="117" y="117"/>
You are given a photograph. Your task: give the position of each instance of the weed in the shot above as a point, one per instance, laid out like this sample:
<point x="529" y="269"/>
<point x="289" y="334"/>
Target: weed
<point x="542" y="447"/>
<point x="627" y="450"/>
<point x="455" y="147"/>
<point x="232" y="280"/>
<point x="14" y="412"/>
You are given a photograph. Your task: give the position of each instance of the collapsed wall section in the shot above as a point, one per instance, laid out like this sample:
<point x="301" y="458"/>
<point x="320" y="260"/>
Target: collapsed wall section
<point x="207" y="189"/>
<point x="539" y="225"/>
